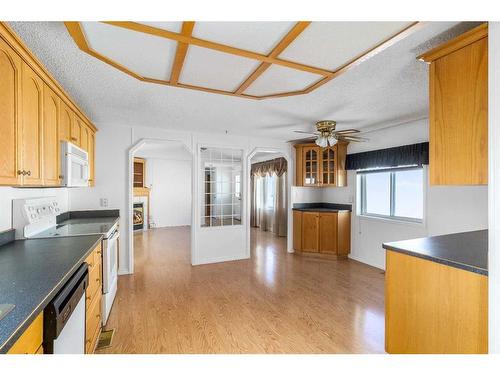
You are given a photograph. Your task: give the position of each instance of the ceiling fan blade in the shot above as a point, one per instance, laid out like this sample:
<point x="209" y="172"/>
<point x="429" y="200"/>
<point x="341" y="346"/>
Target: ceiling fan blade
<point x="301" y="140"/>
<point x="303" y="132"/>
<point x="347" y="131"/>
<point x="353" y="139"/>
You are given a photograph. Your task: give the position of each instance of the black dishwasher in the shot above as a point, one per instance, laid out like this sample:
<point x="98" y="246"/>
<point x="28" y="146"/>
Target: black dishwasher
<point x="64" y="316"/>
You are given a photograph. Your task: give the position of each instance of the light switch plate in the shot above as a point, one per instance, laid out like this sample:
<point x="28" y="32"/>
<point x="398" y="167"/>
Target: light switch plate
<point x="104" y="202"/>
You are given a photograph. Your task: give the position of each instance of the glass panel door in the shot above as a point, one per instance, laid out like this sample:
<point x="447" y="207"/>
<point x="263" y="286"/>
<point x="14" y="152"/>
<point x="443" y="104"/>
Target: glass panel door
<point x="311" y="166"/>
<point x="328" y="166"/>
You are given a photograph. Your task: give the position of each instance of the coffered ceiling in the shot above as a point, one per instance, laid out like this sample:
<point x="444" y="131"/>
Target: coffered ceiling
<point x="389" y="88"/>
<point x="246" y="59"/>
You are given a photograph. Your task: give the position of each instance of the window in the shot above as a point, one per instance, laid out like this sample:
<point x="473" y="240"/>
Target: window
<point x="220" y="176"/>
<point x="395" y="194"/>
<point x="270" y="181"/>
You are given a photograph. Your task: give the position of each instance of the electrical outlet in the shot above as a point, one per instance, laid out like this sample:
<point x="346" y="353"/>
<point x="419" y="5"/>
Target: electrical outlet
<point x="104" y="202"/>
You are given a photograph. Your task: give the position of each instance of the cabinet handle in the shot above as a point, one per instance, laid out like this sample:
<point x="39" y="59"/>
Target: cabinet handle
<point x="98" y="280"/>
<point x="28" y="173"/>
<point x="20" y="172"/>
<point x="89" y="298"/>
<point x="73" y="139"/>
<point x="88" y="341"/>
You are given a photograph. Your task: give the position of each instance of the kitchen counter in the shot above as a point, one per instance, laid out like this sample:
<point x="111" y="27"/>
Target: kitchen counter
<point x="322" y="207"/>
<point x="467" y="251"/>
<point x="31" y="273"/>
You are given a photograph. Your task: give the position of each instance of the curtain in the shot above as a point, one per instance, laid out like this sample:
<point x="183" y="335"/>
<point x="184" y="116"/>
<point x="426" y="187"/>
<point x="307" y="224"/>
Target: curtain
<point x="416" y="154"/>
<point x="269" y="196"/>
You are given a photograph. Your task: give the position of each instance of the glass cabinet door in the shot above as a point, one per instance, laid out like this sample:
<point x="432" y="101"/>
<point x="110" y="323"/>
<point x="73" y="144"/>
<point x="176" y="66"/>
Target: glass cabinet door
<point x="311" y="166"/>
<point x="328" y="166"/>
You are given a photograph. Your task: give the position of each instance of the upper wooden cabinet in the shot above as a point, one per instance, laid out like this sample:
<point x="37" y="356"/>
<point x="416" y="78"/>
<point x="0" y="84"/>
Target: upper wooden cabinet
<point x="317" y="166"/>
<point x="10" y="73"/>
<point x="31" y="126"/>
<point x="458" y="110"/>
<point x="35" y="116"/>
<point x="51" y="147"/>
<point x="139" y="173"/>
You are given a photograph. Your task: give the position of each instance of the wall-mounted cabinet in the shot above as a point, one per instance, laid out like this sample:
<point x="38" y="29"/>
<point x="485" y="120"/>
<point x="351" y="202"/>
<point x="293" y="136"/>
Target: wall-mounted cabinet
<point x="458" y="110"/>
<point x="139" y="173"/>
<point x="320" y="166"/>
<point x="322" y="232"/>
<point x="35" y="115"/>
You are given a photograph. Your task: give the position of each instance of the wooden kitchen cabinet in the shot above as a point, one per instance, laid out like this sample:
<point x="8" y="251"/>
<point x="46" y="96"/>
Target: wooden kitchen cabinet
<point x="320" y="167"/>
<point x="51" y="165"/>
<point x="30" y="341"/>
<point x="65" y="122"/>
<point x="10" y="71"/>
<point x="36" y="114"/>
<point x="93" y="300"/>
<point x="31" y="126"/>
<point x="310" y="231"/>
<point x="458" y="110"/>
<point x="432" y="308"/>
<point x="322" y="232"/>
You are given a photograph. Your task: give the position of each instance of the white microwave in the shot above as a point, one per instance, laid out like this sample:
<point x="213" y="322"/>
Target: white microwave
<point x="74" y="165"/>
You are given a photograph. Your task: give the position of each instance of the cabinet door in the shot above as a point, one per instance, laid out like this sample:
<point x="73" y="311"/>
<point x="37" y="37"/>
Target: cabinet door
<point x="344" y="233"/>
<point x="458" y="132"/>
<point x="84" y="140"/>
<point x="328" y="166"/>
<point x="76" y="128"/>
<point x="91" y="151"/>
<point x="297" y="230"/>
<point x="310" y="231"/>
<point x="65" y="121"/>
<point x="10" y="73"/>
<point x="311" y="167"/>
<point x="32" y="126"/>
<point x="50" y="137"/>
<point x="328" y="224"/>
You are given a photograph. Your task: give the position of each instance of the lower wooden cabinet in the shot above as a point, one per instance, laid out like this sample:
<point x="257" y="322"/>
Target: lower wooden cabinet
<point x="93" y="300"/>
<point x="431" y="308"/>
<point x="30" y="341"/>
<point x="322" y="232"/>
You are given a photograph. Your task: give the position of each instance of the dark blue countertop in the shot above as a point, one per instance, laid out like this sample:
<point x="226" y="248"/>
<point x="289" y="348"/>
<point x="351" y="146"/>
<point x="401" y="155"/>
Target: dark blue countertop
<point x="467" y="250"/>
<point x="31" y="274"/>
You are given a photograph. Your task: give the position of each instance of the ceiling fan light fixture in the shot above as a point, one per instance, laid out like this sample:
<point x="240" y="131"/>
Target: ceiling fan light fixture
<point x="332" y="141"/>
<point x="321" y="141"/>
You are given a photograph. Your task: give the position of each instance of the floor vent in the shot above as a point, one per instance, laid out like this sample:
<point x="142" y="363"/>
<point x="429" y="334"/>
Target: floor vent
<point x="105" y="339"/>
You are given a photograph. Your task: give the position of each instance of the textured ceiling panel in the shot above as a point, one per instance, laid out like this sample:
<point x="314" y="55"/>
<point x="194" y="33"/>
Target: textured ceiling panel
<point x="277" y="79"/>
<point x="330" y="45"/>
<point x="258" y="37"/>
<point x="170" y="26"/>
<point x="146" y="55"/>
<point x="222" y="71"/>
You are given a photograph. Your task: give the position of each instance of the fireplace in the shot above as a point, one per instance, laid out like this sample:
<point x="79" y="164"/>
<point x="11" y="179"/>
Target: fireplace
<point x="138" y="216"/>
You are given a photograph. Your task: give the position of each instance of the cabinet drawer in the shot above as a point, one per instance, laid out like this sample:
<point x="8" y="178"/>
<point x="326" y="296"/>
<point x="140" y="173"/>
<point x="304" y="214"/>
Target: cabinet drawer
<point x="95" y="285"/>
<point x="31" y="340"/>
<point x="91" y="343"/>
<point x="93" y="318"/>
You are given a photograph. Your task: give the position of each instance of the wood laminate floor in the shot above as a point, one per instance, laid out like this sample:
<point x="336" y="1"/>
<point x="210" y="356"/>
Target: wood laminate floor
<point x="274" y="302"/>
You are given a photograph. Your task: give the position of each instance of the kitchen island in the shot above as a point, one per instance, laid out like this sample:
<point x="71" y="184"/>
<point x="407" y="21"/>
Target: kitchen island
<point x="436" y="294"/>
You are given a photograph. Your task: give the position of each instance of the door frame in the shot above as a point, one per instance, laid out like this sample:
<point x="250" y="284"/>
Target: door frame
<point x="289" y="171"/>
<point x="130" y="192"/>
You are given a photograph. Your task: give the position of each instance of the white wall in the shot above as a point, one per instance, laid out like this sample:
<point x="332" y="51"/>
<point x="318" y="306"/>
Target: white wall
<point x="112" y="147"/>
<point x="449" y="209"/>
<point x="494" y="184"/>
<point x="7" y="194"/>
<point x="170" y="183"/>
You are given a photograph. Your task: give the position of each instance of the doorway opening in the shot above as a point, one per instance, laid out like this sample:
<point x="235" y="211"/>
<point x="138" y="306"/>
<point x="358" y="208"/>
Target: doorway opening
<point x="160" y="197"/>
<point x="269" y="200"/>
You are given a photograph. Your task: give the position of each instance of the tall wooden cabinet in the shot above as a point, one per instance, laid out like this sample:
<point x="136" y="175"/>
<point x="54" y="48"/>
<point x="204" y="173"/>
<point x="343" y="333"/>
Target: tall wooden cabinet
<point x="458" y="110"/>
<point x="321" y="167"/>
<point x="35" y="116"/>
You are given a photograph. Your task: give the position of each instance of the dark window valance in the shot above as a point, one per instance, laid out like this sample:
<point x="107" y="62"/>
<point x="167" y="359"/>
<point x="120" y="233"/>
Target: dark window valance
<point x="416" y="154"/>
<point x="277" y="166"/>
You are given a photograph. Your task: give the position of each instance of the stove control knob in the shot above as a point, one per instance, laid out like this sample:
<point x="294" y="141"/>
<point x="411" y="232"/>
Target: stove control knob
<point x="38" y="210"/>
<point x="33" y="216"/>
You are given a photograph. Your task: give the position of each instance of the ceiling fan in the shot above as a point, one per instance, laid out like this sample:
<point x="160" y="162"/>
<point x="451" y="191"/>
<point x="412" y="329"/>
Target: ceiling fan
<point x="326" y="135"/>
